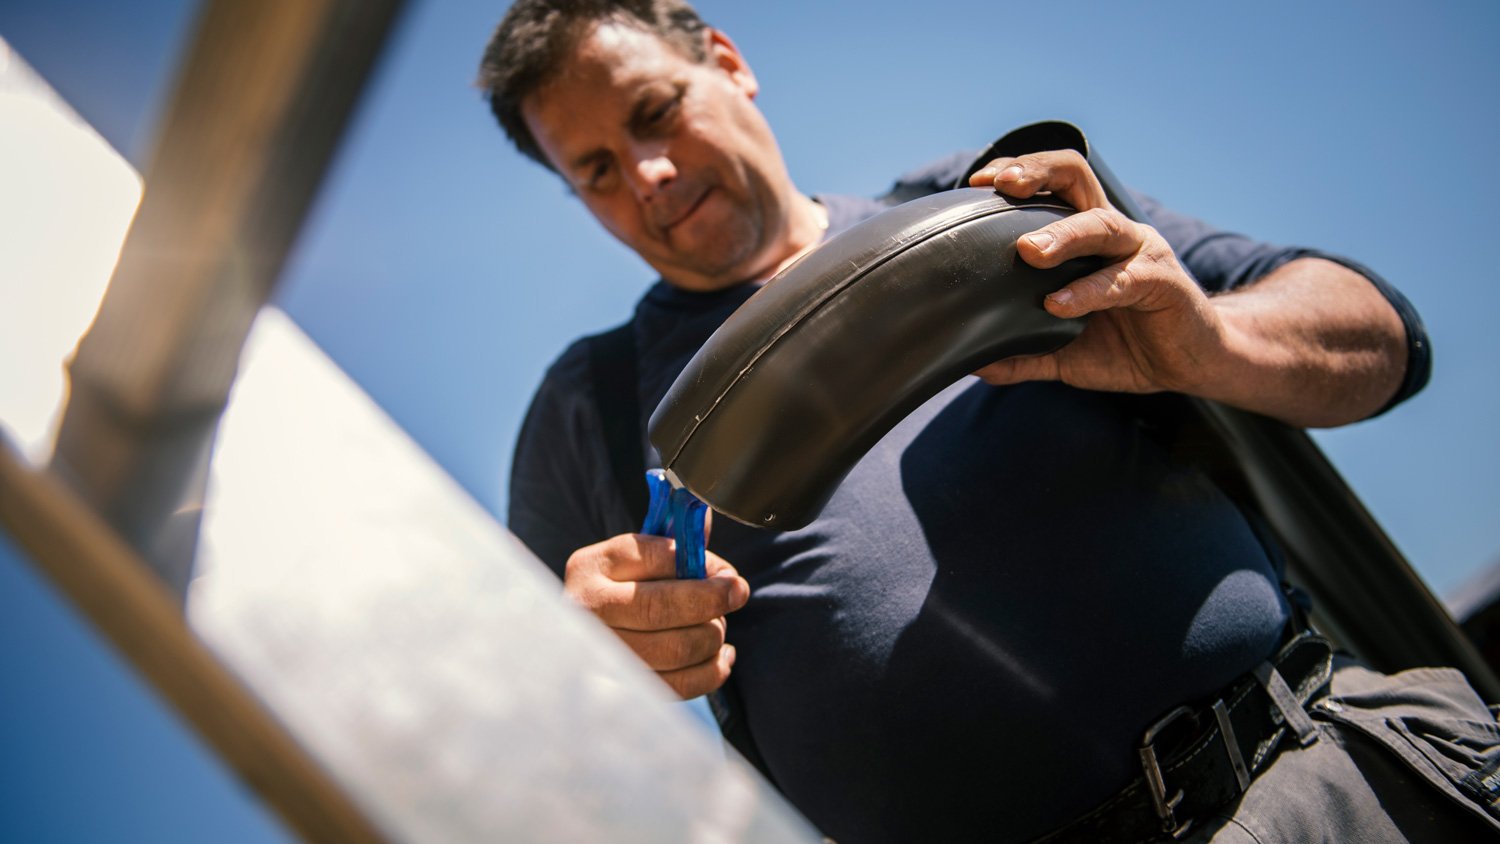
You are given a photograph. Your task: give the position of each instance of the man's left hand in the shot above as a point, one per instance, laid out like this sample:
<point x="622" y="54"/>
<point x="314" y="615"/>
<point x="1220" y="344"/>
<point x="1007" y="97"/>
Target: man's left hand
<point x="1153" y="327"/>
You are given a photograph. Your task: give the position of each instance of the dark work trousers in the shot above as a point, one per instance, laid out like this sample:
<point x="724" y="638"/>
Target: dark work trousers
<point x="1413" y="756"/>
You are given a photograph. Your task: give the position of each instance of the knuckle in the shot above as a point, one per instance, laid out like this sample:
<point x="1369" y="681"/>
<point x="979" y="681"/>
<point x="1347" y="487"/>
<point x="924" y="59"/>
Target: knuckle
<point x="578" y="563"/>
<point x="1072" y="158"/>
<point x="1150" y="257"/>
<point x="1107" y="285"/>
<point x="1156" y="249"/>
<point x="1095" y="285"/>
<point x="668" y="651"/>
<point x="651" y="607"/>
<point x="1065" y="229"/>
<point x="1111" y="221"/>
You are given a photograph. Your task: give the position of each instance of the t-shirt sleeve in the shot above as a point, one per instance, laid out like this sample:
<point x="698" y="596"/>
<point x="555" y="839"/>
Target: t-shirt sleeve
<point x="930" y="178"/>
<point x="560" y="500"/>
<point x="1222" y="261"/>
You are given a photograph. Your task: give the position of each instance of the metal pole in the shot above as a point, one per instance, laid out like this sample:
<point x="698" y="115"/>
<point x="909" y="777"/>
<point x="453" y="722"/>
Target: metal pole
<point x="261" y="100"/>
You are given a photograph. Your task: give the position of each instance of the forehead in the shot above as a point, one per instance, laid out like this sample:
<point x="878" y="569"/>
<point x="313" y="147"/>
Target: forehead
<point x="612" y="58"/>
<point x="611" y="67"/>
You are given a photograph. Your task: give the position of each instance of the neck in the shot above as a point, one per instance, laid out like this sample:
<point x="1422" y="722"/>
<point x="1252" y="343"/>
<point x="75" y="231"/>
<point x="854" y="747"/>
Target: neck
<point x="808" y="224"/>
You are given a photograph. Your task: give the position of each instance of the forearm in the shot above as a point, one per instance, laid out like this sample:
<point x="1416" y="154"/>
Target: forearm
<point x="1313" y="344"/>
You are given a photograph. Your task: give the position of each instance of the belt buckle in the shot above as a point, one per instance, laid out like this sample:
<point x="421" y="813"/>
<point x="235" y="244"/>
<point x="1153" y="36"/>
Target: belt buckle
<point x="1165" y="806"/>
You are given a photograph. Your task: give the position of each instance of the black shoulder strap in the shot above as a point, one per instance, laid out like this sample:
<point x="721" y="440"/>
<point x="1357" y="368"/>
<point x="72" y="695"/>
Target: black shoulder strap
<point x="612" y="357"/>
<point x="612" y="365"/>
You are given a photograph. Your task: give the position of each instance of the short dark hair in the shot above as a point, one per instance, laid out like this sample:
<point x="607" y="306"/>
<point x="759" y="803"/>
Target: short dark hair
<point x="536" y="36"/>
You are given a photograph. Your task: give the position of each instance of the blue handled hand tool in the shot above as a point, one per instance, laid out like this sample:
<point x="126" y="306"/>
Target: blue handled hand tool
<point x="675" y="512"/>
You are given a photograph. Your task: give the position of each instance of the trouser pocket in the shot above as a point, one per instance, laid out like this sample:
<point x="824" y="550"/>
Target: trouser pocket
<point x="1466" y="752"/>
<point x="1434" y="724"/>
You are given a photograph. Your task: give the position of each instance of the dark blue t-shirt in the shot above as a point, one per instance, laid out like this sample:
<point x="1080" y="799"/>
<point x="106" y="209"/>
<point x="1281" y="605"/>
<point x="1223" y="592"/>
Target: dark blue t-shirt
<point x="1004" y="592"/>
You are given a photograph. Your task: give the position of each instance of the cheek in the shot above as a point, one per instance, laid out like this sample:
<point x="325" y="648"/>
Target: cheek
<point x="621" y="219"/>
<point x="610" y="212"/>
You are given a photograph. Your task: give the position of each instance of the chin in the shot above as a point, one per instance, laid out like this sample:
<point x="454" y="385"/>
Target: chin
<point x="727" y="259"/>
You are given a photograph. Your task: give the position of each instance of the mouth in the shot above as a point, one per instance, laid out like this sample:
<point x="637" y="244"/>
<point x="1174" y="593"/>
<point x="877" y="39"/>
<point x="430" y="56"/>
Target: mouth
<point x="686" y="212"/>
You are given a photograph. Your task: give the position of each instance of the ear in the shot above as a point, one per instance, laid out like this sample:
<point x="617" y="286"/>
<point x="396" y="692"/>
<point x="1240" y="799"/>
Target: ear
<point x="725" y="56"/>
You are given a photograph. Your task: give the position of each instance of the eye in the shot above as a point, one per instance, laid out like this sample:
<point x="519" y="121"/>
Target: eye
<point x="663" y="113"/>
<point x="597" y="176"/>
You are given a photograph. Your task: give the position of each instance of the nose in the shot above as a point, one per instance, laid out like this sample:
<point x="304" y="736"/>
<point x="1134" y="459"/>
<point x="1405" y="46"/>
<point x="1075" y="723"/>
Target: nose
<point x="651" y="171"/>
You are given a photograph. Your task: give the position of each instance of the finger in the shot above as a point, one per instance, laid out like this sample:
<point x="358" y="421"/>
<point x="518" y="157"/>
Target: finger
<point x="1102" y="232"/>
<point x="666" y="604"/>
<point x="1064" y="173"/>
<point x="636" y="556"/>
<point x="984" y="177"/>
<point x="669" y="650"/>
<point x="1115" y="286"/>
<point x="1017" y="369"/>
<point x="702" y="678"/>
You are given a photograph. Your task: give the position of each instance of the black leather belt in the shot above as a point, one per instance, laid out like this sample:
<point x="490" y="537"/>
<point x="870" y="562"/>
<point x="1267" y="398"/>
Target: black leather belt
<point x="1195" y="760"/>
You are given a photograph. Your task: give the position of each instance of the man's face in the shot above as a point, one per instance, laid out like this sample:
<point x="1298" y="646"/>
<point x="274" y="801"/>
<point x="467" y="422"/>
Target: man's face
<point x="670" y="155"/>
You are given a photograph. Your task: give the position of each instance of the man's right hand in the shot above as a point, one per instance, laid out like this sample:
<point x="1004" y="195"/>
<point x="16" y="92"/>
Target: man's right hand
<point x="675" y="626"/>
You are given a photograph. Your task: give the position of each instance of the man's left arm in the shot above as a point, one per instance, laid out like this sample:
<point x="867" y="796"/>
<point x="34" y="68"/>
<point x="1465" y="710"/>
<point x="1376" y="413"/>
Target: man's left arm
<point x="1312" y="342"/>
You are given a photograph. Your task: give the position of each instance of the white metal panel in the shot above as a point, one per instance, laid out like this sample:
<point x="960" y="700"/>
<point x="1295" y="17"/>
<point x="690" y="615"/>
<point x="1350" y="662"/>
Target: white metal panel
<point x="66" y="201"/>
<point x="420" y="651"/>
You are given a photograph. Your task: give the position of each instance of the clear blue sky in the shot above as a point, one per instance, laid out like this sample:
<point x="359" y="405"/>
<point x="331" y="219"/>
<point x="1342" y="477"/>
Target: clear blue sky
<point x="444" y="272"/>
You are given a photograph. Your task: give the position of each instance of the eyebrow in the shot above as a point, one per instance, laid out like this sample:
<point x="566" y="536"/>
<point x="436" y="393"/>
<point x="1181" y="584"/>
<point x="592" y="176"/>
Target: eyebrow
<point x="649" y="101"/>
<point x="587" y="160"/>
<point x="637" y="119"/>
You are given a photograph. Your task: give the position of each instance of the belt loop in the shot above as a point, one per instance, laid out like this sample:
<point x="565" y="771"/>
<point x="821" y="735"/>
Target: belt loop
<point x="1291" y="709"/>
<point x="1232" y="746"/>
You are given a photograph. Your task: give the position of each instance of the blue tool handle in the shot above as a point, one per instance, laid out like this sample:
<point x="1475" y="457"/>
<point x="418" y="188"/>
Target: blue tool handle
<point x="659" y="511"/>
<point x="679" y="514"/>
<point x="688" y="515"/>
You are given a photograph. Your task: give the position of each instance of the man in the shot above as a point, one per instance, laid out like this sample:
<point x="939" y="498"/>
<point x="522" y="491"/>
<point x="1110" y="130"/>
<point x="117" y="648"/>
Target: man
<point x="1020" y="578"/>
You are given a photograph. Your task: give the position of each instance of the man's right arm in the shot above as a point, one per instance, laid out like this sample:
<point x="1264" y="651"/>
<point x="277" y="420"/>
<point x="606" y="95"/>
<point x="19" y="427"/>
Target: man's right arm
<point x="563" y="507"/>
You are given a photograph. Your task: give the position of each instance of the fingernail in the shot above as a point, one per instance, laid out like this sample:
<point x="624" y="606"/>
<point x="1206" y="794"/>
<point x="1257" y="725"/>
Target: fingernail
<point x="1041" y="240"/>
<point x="1012" y="173"/>
<point x="739" y="593"/>
<point x="1062" y="297"/>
